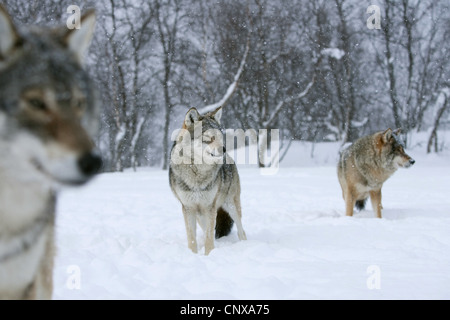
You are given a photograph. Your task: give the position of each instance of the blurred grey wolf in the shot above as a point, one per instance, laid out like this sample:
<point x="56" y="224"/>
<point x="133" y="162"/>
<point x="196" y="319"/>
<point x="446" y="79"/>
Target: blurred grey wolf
<point x="207" y="184"/>
<point x="47" y="101"/>
<point x="366" y="164"/>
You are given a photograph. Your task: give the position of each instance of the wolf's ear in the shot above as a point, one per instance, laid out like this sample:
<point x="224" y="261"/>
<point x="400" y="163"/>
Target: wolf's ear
<point x="78" y="40"/>
<point x="387" y="135"/>
<point x="8" y="33"/>
<point x="398" y="131"/>
<point x="191" y="117"/>
<point x="217" y="114"/>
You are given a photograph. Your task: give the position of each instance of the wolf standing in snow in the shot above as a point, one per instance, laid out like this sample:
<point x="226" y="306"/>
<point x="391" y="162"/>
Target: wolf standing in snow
<point x="205" y="181"/>
<point x="46" y="102"/>
<point x="366" y="165"/>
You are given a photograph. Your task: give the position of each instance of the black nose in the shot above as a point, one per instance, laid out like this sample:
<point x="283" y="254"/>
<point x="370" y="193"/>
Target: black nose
<point x="412" y="161"/>
<point x="90" y="163"/>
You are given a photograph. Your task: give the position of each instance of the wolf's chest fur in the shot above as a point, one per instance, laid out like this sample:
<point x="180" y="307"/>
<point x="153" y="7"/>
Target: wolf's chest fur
<point x="196" y="184"/>
<point x="26" y="216"/>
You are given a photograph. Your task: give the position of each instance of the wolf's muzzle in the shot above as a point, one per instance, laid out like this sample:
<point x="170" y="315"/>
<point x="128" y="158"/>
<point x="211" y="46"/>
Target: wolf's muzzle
<point x="90" y="163"/>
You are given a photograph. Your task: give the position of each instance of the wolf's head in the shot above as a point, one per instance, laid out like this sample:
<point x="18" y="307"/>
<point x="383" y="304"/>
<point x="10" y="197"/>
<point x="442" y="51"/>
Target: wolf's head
<point x="47" y="101"/>
<point x="201" y="138"/>
<point x="393" y="150"/>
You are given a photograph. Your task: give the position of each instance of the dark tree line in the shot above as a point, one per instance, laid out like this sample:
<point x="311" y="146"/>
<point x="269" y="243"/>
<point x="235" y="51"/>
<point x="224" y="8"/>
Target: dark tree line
<point x="312" y="69"/>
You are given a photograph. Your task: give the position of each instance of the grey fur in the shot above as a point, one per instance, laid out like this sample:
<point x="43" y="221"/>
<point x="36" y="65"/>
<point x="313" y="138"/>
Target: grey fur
<point x="203" y="189"/>
<point x="41" y="60"/>
<point x="48" y="111"/>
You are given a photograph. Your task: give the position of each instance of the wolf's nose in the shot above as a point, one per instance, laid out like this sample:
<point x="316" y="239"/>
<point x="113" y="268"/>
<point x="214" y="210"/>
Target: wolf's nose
<point x="90" y="163"/>
<point x="412" y="161"/>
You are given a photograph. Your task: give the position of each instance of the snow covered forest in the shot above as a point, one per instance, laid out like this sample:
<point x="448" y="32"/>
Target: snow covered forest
<point x="313" y="69"/>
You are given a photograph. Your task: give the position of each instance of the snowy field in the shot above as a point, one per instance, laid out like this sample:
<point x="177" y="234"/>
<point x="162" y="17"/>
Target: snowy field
<point x="123" y="237"/>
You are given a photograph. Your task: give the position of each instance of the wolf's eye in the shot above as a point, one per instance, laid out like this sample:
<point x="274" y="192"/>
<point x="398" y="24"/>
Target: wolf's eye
<point x="37" y="104"/>
<point x="398" y="150"/>
<point x="80" y="105"/>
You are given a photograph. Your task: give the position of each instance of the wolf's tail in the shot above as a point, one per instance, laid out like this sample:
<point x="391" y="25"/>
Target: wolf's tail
<point x="224" y="223"/>
<point x="361" y="204"/>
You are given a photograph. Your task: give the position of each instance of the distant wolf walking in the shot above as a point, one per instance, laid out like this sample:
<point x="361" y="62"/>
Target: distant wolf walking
<point x="207" y="184"/>
<point x="47" y="105"/>
<point x="366" y="164"/>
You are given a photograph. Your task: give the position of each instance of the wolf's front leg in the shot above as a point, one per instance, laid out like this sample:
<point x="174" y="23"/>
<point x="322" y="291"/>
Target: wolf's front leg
<point x="210" y="231"/>
<point x="191" y="224"/>
<point x="349" y="203"/>
<point x="375" y="197"/>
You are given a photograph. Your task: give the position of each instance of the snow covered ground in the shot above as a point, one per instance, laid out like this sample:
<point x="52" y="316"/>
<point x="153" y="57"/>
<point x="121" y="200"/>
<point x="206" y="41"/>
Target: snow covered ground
<point x="123" y="237"/>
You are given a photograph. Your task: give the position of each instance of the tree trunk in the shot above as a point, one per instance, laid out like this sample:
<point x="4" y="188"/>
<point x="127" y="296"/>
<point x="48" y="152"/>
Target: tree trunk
<point x="349" y="103"/>
<point x="390" y="66"/>
<point x="440" y="112"/>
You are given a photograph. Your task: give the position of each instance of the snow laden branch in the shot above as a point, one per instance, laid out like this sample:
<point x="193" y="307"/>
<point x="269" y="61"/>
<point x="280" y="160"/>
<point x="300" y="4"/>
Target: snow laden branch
<point x="280" y="104"/>
<point x="232" y="88"/>
<point x="335" y="53"/>
<point x="330" y="52"/>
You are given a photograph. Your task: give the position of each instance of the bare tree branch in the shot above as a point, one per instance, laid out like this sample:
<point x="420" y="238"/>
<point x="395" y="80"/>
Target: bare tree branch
<point x="232" y="87"/>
